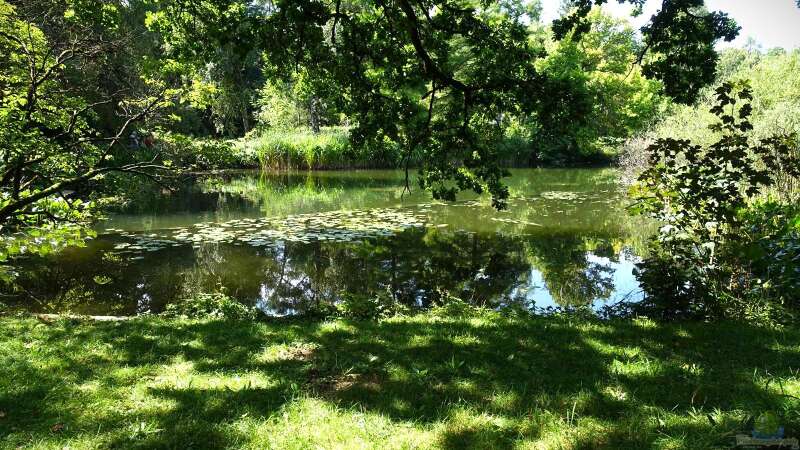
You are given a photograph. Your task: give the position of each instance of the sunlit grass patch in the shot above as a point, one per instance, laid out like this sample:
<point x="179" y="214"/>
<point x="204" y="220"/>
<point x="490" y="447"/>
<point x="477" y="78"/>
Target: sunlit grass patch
<point x="298" y="351"/>
<point x="312" y="423"/>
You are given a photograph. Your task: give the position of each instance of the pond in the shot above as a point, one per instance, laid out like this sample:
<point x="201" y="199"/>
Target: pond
<point x="298" y="242"/>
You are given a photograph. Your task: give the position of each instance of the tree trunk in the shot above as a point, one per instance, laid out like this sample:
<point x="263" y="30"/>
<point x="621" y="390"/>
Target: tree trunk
<point x="314" y="114"/>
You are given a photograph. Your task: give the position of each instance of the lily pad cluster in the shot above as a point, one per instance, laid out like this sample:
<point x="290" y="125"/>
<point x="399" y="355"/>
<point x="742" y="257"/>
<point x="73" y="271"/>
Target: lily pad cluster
<point x="561" y="195"/>
<point x="142" y="242"/>
<point x="516" y="221"/>
<point x="334" y="226"/>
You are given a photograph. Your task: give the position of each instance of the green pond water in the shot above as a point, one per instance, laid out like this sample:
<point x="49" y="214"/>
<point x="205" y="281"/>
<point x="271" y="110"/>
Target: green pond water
<point x="298" y="242"/>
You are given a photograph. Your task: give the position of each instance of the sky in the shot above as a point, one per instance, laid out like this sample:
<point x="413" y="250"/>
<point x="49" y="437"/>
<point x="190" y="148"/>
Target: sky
<point x="772" y="23"/>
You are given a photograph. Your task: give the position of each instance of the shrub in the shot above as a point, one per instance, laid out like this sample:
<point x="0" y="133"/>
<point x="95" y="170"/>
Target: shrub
<point x="210" y="305"/>
<point x="203" y="154"/>
<point x="775" y="81"/>
<point x="774" y="229"/>
<point x="703" y="260"/>
<point x="358" y="306"/>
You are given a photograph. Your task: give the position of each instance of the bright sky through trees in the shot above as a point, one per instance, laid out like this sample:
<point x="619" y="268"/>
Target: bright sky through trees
<point x="772" y="23"/>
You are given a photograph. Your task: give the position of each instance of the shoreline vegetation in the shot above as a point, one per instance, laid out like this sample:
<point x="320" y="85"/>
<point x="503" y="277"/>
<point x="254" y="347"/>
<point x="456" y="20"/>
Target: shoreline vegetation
<point x="454" y="377"/>
<point x="329" y="149"/>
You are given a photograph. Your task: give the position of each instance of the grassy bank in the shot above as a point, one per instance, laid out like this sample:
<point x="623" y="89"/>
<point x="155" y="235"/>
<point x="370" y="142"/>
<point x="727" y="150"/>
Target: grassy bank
<point x="432" y="381"/>
<point x="269" y="150"/>
<point x="331" y="149"/>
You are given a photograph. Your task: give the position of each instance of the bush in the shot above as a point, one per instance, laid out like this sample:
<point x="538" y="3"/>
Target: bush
<point x="705" y="259"/>
<point x="775" y="82"/>
<point x="203" y="154"/>
<point x="774" y="229"/>
<point x="757" y="279"/>
<point x="214" y="305"/>
<point x="358" y="306"/>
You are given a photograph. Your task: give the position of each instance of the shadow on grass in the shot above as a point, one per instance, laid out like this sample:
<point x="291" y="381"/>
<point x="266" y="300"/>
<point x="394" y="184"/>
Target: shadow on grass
<point x="483" y="381"/>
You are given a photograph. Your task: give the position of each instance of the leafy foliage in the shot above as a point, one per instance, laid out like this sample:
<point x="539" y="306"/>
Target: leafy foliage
<point x="192" y="153"/>
<point x="774" y="228"/>
<point x="55" y="148"/>
<point x="610" y="98"/>
<point x="680" y="39"/>
<point x="775" y="81"/>
<point x="359" y="306"/>
<point x="215" y="305"/>
<point x="699" y="194"/>
<point x="432" y="76"/>
<point x="298" y="102"/>
<point x="42" y="241"/>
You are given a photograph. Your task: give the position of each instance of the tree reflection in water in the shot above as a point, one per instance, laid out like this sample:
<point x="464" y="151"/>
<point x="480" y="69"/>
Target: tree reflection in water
<point x="416" y="268"/>
<point x="565" y="241"/>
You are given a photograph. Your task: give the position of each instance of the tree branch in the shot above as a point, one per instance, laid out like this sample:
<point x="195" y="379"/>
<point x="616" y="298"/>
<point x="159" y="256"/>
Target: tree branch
<point x="412" y="25"/>
<point x="12" y="208"/>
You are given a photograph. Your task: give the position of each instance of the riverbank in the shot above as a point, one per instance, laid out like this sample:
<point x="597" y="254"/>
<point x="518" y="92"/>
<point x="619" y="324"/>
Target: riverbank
<point x="330" y="149"/>
<point x="444" y="379"/>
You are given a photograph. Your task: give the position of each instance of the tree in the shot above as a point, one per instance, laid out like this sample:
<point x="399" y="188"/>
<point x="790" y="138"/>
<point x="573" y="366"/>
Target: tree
<point x="611" y="99"/>
<point x="297" y="102"/>
<point x="433" y="75"/>
<point x="55" y="142"/>
<point x="235" y="78"/>
<point x="678" y="42"/>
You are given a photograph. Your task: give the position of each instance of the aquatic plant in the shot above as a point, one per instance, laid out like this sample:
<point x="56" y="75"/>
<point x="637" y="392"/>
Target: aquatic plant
<point x="334" y="226"/>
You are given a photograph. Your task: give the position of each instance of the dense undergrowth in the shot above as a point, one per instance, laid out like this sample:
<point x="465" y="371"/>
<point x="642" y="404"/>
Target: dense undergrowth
<point x="292" y="149"/>
<point x="722" y="177"/>
<point x="191" y="153"/>
<point x="450" y="378"/>
<point x="775" y="81"/>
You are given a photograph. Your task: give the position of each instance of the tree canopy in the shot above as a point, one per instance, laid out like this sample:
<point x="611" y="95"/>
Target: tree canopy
<point x="434" y="76"/>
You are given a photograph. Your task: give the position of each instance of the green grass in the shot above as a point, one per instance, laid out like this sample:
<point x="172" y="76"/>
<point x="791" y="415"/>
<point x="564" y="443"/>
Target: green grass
<point x="476" y="380"/>
<point x="303" y="149"/>
<point x="329" y="149"/>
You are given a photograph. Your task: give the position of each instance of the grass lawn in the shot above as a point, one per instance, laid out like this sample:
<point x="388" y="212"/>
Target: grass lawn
<point x="476" y="380"/>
